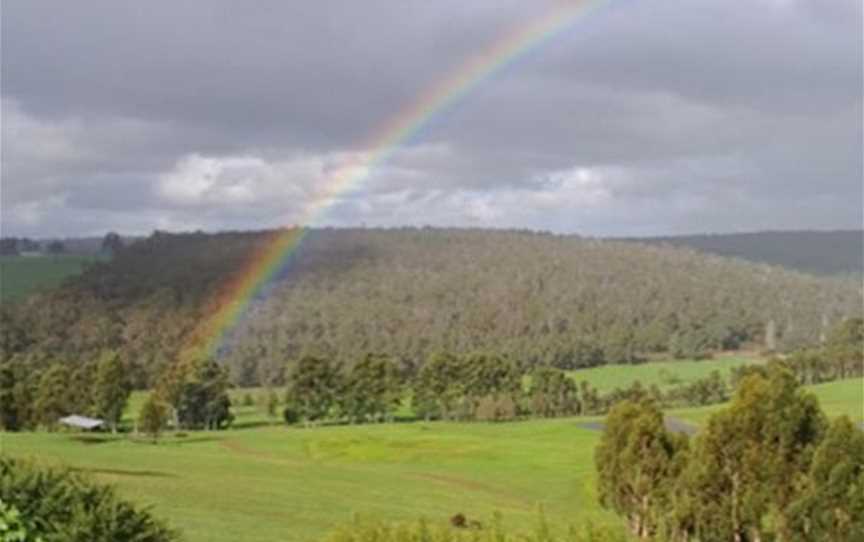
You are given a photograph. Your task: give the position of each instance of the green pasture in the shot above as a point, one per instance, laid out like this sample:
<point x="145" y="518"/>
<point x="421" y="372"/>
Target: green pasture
<point x="21" y="276"/>
<point x="264" y="481"/>
<point x="278" y="483"/>
<point x="664" y="374"/>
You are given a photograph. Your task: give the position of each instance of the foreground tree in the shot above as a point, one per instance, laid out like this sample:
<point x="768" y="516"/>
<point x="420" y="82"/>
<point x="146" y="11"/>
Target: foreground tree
<point x="638" y="462"/>
<point x="111" y="389"/>
<point x="831" y="506"/>
<point x="62" y="506"/>
<point x="749" y="461"/>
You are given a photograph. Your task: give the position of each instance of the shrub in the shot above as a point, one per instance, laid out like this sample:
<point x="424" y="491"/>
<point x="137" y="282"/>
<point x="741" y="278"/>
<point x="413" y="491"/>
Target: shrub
<point x="290" y="415"/>
<point x="423" y="531"/>
<point x="63" y="506"/>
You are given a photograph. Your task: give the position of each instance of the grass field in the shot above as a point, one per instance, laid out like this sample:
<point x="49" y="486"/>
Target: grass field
<point x="270" y="482"/>
<point x="21" y="276"/>
<point x="664" y="374"/>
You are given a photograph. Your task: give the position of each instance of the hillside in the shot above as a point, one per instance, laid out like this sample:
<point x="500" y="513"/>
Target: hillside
<point x="540" y="298"/>
<point x="838" y="252"/>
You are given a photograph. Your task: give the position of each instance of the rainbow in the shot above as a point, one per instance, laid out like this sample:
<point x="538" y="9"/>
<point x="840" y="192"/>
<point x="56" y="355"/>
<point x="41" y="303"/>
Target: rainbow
<point x="228" y="307"/>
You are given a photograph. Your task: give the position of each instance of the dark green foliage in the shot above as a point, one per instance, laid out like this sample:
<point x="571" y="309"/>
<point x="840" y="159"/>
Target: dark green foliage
<point x="60" y="506"/>
<point x="313" y="388"/>
<point x="53" y="398"/>
<point x="203" y="400"/>
<point x="541" y="299"/>
<point x="10" y="418"/>
<point x="440" y="387"/>
<point x="371" y="390"/>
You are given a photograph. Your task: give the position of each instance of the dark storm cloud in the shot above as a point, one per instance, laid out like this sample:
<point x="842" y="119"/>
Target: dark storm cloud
<point x="644" y="117"/>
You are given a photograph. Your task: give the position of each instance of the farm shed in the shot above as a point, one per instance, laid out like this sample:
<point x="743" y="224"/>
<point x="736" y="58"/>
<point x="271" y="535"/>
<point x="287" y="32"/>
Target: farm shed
<point x="82" y="422"/>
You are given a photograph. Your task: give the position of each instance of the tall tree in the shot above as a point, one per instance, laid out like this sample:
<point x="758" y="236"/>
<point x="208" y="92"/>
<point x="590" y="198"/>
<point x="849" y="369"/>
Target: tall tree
<point x="372" y="390"/>
<point x="10" y="418"/>
<point x="52" y="396"/>
<point x="638" y="462"/>
<point x="439" y="387"/>
<point x="203" y="400"/>
<point x="751" y="457"/>
<point x="111" y="389"/>
<point x="153" y="417"/>
<point x="831" y="506"/>
<point x="313" y="387"/>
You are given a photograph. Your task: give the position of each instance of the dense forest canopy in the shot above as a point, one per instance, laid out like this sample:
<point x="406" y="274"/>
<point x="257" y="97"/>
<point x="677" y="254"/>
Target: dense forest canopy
<point x="539" y="298"/>
<point x="838" y="252"/>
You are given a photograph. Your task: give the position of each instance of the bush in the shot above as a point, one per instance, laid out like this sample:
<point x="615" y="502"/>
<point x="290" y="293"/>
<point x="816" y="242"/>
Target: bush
<point x="62" y="506"/>
<point x="423" y="531"/>
<point x="493" y="408"/>
<point x="290" y="415"/>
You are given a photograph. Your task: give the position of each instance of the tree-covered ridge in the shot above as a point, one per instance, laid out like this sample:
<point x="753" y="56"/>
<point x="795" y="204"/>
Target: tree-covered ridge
<point x="839" y="252"/>
<point x="539" y="298"/>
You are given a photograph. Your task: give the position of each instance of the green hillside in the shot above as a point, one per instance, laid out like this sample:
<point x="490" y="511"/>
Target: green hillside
<point x="409" y="293"/>
<point x="21" y="276"/>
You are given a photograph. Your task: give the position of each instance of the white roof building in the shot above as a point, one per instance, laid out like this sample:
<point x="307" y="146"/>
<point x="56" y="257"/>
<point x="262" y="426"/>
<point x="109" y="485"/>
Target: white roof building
<point x="82" y="422"/>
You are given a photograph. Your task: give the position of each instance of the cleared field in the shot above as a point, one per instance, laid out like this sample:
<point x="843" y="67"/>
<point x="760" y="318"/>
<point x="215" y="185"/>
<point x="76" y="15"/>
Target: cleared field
<point x="21" y="276"/>
<point x="664" y="374"/>
<point x="270" y="482"/>
<point x="844" y="397"/>
<point x="275" y="483"/>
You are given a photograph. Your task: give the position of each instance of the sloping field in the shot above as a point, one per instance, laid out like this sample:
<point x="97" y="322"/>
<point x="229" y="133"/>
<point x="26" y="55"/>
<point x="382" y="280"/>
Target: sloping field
<point x="275" y="483"/>
<point x="263" y="482"/>
<point x="664" y="374"/>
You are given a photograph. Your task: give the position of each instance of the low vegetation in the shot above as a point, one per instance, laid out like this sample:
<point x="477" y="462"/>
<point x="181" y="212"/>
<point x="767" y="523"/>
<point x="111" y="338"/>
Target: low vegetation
<point x="41" y="504"/>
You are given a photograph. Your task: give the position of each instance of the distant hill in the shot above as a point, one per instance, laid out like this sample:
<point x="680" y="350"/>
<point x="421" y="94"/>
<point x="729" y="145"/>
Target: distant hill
<point x="541" y="298"/>
<point x="839" y="252"/>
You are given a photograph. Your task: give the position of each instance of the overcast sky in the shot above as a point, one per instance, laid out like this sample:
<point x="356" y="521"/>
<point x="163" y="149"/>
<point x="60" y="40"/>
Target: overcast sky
<point x="642" y="118"/>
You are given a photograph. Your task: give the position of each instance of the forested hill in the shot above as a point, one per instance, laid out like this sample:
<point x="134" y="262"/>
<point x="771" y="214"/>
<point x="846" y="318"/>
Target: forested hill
<point x="539" y="298"/>
<point x="838" y="252"/>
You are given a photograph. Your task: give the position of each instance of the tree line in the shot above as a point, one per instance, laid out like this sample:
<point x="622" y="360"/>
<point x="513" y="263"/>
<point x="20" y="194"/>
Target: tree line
<point x="482" y="386"/>
<point x="768" y="467"/>
<point x="559" y="301"/>
<point x="193" y="395"/>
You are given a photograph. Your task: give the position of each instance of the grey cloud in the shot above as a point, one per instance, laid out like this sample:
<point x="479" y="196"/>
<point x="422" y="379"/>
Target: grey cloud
<point x="693" y="116"/>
